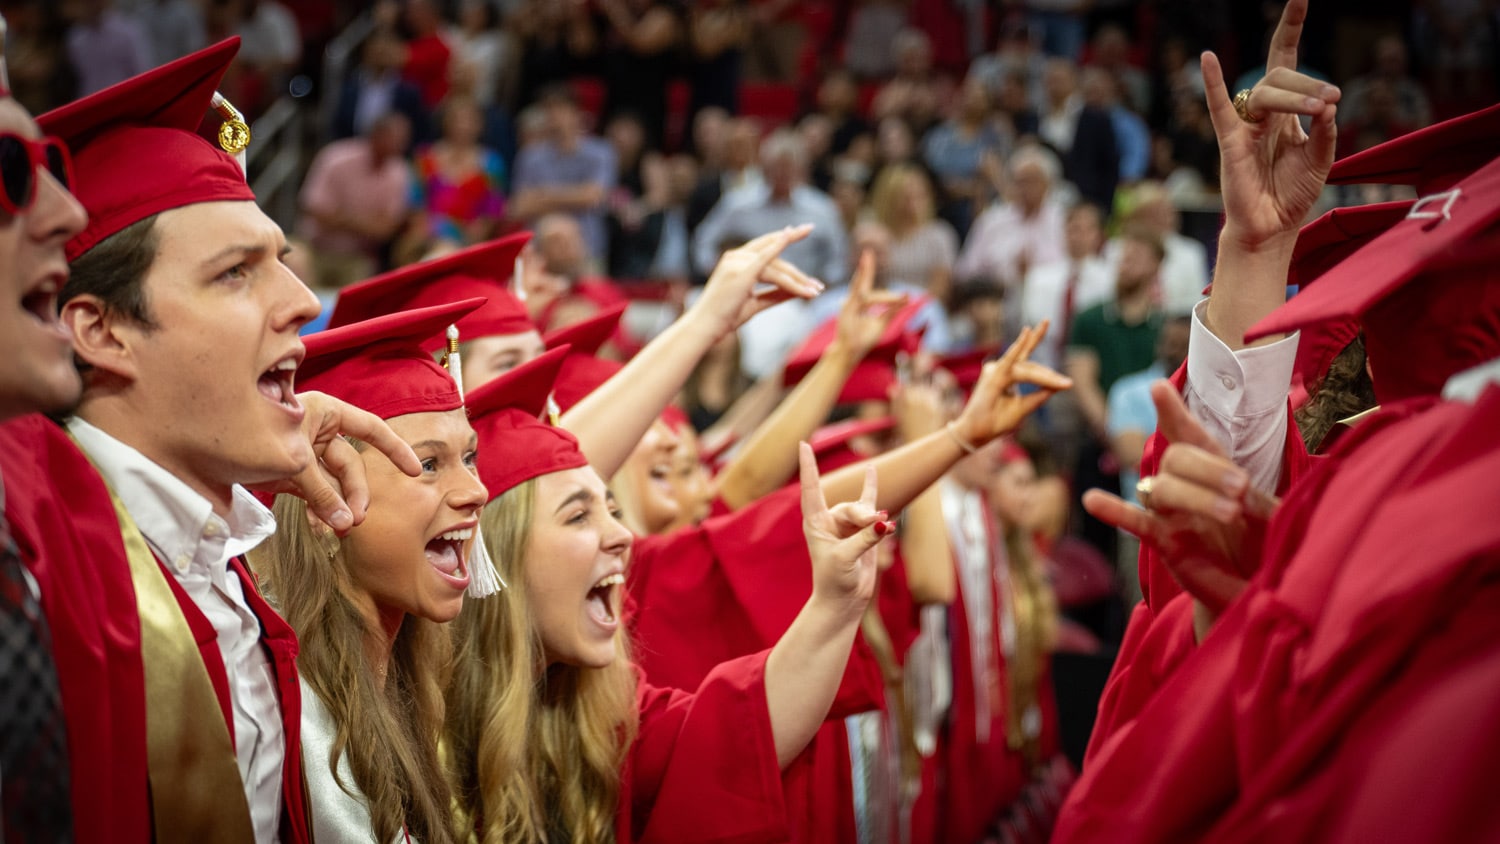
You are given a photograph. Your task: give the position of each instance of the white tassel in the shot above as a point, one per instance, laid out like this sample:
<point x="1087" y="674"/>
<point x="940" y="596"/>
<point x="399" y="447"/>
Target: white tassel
<point x="454" y="362"/>
<point x="517" y="280"/>
<point x="484" y="579"/>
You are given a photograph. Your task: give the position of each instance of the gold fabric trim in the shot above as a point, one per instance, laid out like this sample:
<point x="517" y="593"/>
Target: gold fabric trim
<point x="196" y="791"/>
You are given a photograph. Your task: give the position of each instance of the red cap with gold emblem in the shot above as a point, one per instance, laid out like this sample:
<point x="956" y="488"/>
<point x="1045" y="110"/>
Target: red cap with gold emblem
<point x="515" y="443"/>
<point x="381" y="365"/>
<point x="483" y="270"/>
<point x="136" y="148"/>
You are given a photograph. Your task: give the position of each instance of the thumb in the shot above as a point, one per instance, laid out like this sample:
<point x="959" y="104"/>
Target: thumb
<point x="323" y="500"/>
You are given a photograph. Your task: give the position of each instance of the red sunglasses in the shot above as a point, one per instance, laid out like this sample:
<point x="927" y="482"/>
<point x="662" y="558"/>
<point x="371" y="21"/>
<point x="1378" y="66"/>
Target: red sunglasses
<point x="20" y="159"/>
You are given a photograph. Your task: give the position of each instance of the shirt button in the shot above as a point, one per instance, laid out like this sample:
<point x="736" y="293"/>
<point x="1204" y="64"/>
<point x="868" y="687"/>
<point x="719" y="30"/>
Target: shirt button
<point x="1227" y="382"/>
<point x="211" y="530"/>
<point x="182" y="562"/>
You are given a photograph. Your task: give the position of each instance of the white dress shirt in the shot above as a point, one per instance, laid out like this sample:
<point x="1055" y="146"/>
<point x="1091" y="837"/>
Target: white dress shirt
<point x="196" y="546"/>
<point x="1240" y="398"/>
<point x="1046" y="290"/>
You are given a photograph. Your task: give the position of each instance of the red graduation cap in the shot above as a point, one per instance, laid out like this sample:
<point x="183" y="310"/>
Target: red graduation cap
<point x="1322" y="245"/>
<point x="1430" y="159"/>
<point x="581" y="375"/>
<point x="136" y="148"/>
<point x="381" y="364"/>
<point x="874" y="376"/>
<point x="831" y="443"/>
<point x="1446" y="244"/>
<point x="515" y="445"/>
<point x="966" y="367"/>
<point x="675" y="418"/>
<point x="483" y="270"/>
<point x="589" y="335"/>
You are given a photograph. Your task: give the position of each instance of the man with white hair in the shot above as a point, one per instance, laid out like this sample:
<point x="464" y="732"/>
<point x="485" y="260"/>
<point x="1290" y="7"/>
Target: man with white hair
<point x="1026" y="230"/>
<point x="785" y="199"/>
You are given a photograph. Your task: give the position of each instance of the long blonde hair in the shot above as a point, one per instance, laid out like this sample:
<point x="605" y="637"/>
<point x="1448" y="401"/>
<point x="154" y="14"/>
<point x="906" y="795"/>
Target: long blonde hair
<point x="389" y="735"/>
<point x="1035" y="607"/>
<point x="536" y="750"/>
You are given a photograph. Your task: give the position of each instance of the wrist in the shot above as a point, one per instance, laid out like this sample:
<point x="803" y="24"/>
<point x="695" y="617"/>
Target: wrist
<point x="966" y="443"/>
<point x="1235" y="238"/>
<point x="840" y="351"/>
<point x="700" y="326"/>
<point x="832" y="614"/>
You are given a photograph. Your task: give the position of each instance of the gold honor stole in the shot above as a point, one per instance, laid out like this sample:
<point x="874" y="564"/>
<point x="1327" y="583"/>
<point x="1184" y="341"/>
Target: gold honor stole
<point x="197" y="794"/>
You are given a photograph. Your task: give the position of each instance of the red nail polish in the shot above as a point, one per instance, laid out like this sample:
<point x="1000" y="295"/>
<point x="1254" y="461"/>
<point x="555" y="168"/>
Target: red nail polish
<point x="884" y="528"/>
<point x="883" y="515"/>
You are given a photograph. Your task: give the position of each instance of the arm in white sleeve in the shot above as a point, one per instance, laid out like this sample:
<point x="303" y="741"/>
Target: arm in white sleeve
<point x="1240" y="398"/>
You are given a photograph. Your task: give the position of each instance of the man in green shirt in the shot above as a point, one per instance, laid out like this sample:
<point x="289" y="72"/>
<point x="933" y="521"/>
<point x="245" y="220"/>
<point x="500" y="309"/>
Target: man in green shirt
<point x="1117" y="337"/>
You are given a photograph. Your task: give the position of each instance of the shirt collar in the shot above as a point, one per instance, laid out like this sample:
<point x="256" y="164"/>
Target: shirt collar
<point x="178" y="523"/>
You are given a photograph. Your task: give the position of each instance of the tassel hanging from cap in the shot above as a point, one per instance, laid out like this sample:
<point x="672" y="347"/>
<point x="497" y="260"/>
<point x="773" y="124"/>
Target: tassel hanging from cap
<point x="484" y="578"/>
<point x="234" y="132"/>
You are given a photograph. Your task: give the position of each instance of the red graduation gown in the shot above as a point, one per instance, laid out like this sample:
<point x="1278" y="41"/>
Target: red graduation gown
<point x="1348" y="695"/>
<point x="981" y="778"/>
<point x="731" y="586"/>
<point x="1160" y="633"/>
<point x="703" y="766"/>
<point x="66" y="526"/>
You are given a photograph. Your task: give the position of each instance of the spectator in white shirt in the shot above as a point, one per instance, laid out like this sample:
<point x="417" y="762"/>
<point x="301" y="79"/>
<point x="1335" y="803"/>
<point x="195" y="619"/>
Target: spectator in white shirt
<point x="1023" y="232"/>
<point x="1060" y="290"/>
<point x="784" y="200"/>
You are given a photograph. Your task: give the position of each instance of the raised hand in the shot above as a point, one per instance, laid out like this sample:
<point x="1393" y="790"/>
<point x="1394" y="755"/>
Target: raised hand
<point x="751" y="278"/>
<point x="867" y="312"/>
<point x="996" y="408"/>
<point x="841" y="541"/>
<point x="1202" y="515"/>
<point x="920" y="405"/>
<point x="1271" y="171"/>
<point x="333" y="484"/>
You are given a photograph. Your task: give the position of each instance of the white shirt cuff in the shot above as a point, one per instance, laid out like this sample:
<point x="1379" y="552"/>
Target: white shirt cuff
<point x="1248" y="382"/>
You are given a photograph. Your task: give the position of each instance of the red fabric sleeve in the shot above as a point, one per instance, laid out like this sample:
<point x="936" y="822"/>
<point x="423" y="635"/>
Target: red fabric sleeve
<point x="703" y="766"/>
<point x="65" y="526"/>
<point x="731" y="587"/>
<point x="1154" y="646"/>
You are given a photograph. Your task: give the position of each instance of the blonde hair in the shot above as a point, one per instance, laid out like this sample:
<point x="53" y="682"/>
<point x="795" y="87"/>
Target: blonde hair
<point x="389" y="735"/>
<point x="1036" y="614"/>
<point x="886" y="198"/>
<point x="536" y="750"/>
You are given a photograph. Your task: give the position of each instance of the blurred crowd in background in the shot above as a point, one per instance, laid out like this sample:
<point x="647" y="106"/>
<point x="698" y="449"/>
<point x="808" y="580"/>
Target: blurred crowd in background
<point x="1013" y="160"/>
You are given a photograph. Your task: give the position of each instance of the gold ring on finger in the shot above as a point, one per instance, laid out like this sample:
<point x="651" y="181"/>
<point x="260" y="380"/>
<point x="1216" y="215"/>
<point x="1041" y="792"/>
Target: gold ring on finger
<point x="1242" y="107"/>
<point x="1143" y="491"/>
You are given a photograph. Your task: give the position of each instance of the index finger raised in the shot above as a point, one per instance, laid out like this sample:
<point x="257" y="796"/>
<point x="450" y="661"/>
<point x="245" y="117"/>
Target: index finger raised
<point x="813" y="502"/>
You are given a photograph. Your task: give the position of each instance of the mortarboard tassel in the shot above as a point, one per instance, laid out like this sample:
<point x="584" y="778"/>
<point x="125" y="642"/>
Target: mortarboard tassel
<point x="517" y="283"/>
<point x="484" y="578"/>
<point x="234" y="132"/>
